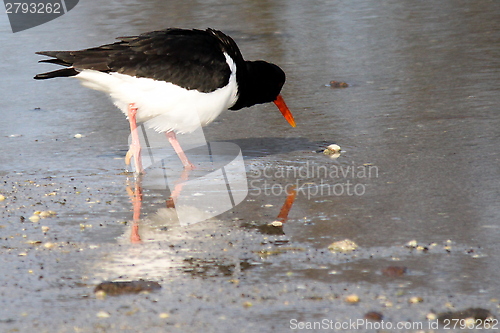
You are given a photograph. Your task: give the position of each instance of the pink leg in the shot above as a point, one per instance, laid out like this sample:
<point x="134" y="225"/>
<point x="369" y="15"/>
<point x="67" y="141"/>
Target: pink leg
<point x="178" y="188"/>
<point x="178" y="149"/>
<point x="136" y="198"/>
<point x="135" y="145"/>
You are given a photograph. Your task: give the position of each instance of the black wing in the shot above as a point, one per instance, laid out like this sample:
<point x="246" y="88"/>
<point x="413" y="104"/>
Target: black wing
<point x="192" y="59"/>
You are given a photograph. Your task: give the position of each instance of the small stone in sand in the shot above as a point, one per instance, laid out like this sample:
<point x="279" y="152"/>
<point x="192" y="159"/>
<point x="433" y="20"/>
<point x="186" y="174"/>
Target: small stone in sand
<point x="338" y="84"/>
<point x="343" y="246"/>
<point x="352" y="299"/>
<point x="415" y="299"/>
<point x="431" y="316"/>
<point x="114" y="288"/>
<point x="34" y="218"/>
<point x="373" y="315"/>
<point x="103" y="314"/>
<point x="101" y="294"/>
<point x="276" y="224"/>
<point x="412" y="243"/>
<point x="332" y="149"/>
<point x="44" y="214"/>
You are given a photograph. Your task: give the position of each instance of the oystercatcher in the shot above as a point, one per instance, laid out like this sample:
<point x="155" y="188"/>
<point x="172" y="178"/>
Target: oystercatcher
<point x="173" y="80"/>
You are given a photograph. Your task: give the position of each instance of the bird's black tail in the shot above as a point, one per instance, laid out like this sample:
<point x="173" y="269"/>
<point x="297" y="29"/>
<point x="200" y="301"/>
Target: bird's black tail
<point x="59" y="73"/>
<point x="62" y="58"/>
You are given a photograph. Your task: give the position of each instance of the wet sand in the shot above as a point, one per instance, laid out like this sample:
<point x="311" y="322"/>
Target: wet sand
<point x="418" y="127"/>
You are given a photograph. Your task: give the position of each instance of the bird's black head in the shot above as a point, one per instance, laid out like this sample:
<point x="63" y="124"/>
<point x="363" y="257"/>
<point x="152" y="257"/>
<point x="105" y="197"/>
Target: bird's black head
<point x="261" y="83"/>
<point x="267" y="79"/>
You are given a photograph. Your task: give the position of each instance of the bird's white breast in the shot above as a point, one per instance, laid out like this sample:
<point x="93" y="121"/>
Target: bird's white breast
<point x="162" y="105"/>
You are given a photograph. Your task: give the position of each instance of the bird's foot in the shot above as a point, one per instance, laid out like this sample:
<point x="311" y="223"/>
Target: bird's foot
<point x="134" y="152"/>
<point x="128" y="156"/>
<point x="170" y="202"/>
<point x="188" y="165"/>
<point x="135" y="237"/>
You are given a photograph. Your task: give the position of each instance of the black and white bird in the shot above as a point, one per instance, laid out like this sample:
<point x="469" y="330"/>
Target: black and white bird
<point x="173" y="80"/>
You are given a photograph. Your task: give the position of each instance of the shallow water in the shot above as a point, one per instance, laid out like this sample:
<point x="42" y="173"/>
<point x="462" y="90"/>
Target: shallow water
<point x="418" y="125"/>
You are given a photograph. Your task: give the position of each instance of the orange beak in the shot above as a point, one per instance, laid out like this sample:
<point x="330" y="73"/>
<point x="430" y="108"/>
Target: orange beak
<point x="280" y="103"/>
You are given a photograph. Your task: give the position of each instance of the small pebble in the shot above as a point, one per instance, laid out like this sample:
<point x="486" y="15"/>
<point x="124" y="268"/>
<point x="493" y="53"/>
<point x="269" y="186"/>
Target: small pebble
<point x="469" y="322"/>
<point x="45" y="228"/>
<point x="276" y="224"/>
<point x="352" y="299"/>
<point x="2" y="198"/>
<point x="334" y="147"/>
<point x="78" y="136"/>
<point x="103" y="314"/>
<point x="332" y="150"/>
<point x="415" y="299"/>
<point x="338" y="84"/>
<point x="100" y="294"/>
<point x="373" y="315"/>
<point x="49" y="245"/>
<point x="34" y="218"/>
<point x="247" y="304"/>
<point x="467" y="315"/>
<point x="164" y="315"/>
<point x="343" y="246"/>
<point x="44" y="214"/>
<point x="114" y="288"/>
<point x="431" y="316"/>
<point x="412" y="243"/>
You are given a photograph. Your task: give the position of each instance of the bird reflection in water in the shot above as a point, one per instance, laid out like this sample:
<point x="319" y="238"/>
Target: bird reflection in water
<point x="169" y="213"/>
